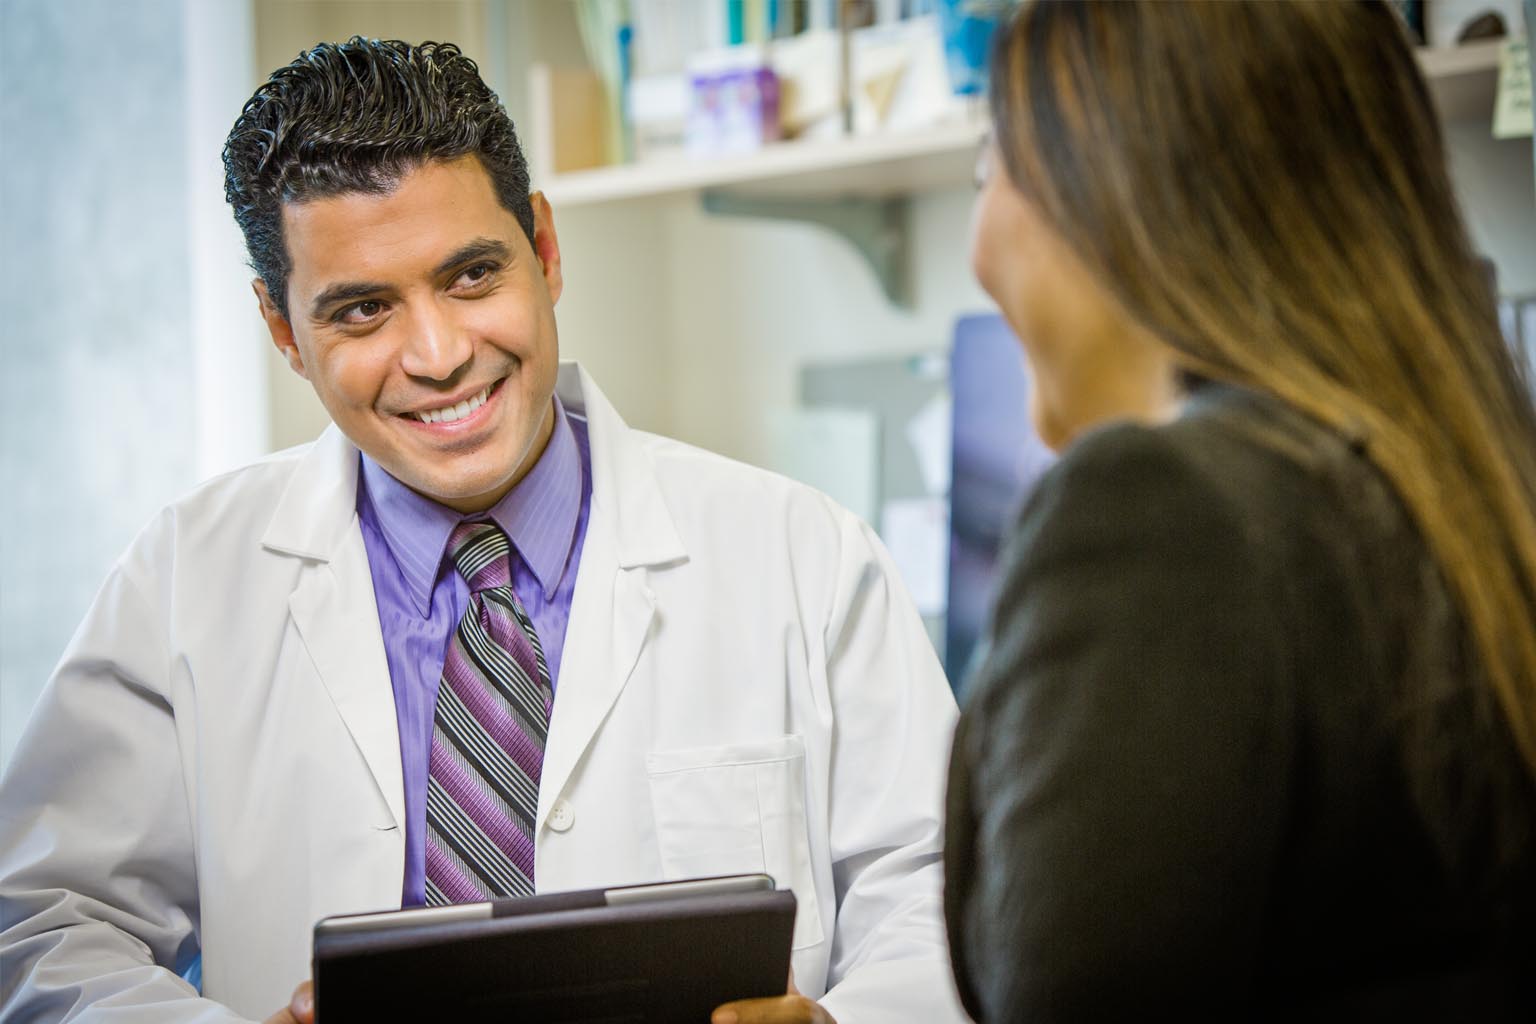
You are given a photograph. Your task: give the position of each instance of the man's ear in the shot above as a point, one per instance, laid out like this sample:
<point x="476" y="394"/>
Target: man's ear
<point x="546" y="246"/>
<point x="279" y="327"/>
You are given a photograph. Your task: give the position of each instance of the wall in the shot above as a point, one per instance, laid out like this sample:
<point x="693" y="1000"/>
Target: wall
<point x="1497" y="188"/>
<point x="229" y="349"/>
<point x="94" y="262"/>
<point x="614" y="316"/>
<point x="751" y="301"/>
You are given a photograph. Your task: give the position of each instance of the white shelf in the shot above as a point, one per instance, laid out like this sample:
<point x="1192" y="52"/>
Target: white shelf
<point x="866" y="165"/>
<point x="1462" y="80"/>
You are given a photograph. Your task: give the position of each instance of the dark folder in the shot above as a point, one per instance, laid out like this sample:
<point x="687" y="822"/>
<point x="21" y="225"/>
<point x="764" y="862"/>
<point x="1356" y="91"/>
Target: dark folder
<point x="667" y="952"/>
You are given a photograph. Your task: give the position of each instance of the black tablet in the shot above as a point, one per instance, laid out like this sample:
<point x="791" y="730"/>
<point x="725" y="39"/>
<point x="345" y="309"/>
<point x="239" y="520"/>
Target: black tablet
<point x="672" y="951"/>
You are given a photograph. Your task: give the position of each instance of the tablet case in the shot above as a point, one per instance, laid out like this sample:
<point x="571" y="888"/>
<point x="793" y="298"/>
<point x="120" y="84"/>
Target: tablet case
<point x="563" y="957"/>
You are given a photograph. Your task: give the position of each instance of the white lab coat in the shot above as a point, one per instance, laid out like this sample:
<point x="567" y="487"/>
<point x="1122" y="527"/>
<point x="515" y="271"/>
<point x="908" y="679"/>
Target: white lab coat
<point x="215" y="764"/>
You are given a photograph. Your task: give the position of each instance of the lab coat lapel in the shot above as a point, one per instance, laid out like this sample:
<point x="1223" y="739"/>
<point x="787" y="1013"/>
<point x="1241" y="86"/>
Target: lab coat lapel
<point x="333" y="605"/>
<point x="629" y="532"/>
<point x="611" y="614"/>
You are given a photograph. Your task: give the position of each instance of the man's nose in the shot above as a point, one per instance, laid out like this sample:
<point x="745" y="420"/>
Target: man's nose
<point x="437" y="347"/>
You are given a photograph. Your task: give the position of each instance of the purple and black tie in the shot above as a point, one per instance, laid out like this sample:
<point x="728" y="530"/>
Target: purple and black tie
<point x="488" y="735"/>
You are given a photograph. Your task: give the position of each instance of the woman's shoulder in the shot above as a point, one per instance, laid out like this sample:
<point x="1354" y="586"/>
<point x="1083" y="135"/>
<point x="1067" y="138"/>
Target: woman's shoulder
<point x="1234" y="454"/>
<point x="1166" y="536"/>
<point x="1221" y="430"/>
<point x="1241" y="507"/>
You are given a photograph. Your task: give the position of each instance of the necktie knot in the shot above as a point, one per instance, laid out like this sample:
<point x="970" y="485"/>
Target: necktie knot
<point x="480" y="553"/>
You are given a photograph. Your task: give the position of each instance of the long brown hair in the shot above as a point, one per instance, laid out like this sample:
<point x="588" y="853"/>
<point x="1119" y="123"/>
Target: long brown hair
<point x="1263" y="185"/>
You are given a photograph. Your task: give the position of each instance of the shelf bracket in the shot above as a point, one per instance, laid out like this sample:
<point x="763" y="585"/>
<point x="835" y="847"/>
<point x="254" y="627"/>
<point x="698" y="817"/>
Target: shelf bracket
<point x="875" y="226"/>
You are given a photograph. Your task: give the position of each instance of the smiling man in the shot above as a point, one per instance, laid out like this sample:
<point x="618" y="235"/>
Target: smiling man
<point x="480" y="639"/>
<point x="426" y="329"/>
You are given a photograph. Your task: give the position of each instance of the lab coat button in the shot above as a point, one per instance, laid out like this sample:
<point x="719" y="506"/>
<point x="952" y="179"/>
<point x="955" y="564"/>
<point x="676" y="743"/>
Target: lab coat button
<point x="561" y="817"/>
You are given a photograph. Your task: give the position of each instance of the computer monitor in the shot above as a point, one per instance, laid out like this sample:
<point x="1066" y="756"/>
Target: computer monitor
<point x="997" y="457"/>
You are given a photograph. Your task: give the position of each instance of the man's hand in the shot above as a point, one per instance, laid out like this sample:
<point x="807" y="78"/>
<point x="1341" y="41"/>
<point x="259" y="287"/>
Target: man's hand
<point x="779" y="1010"/>
<point x="793" y="1008"/>
<point x="300" y="1009"/>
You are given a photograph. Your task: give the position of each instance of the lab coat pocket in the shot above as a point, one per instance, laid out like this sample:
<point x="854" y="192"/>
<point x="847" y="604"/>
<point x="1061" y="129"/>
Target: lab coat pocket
<point x="738" y="809"/>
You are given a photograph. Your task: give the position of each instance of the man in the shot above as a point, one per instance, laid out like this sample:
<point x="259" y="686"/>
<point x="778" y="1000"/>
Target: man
<point x="479" y="638"/>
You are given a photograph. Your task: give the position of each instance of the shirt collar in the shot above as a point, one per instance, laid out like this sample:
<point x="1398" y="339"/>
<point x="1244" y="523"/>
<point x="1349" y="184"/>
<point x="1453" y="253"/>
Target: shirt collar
<point x="539" y="516"/>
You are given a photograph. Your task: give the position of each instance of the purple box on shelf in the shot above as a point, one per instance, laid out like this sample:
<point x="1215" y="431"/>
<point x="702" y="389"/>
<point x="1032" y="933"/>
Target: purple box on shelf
<point x="735" y="109"/>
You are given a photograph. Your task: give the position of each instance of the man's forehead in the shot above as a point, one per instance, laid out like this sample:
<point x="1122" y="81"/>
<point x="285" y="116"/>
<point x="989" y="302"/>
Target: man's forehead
<point x="430" y="212"/>
<point x="438" y="186"/>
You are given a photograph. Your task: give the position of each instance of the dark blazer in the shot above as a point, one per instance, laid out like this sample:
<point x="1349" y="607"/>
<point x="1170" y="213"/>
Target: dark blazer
<point x="1226" y="753"/>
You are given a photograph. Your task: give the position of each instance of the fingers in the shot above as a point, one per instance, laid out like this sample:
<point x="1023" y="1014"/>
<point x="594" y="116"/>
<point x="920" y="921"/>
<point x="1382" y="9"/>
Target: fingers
<point x="793" y="1009"/>
<point x="302" y="1005"/>
<point x="300" y="1008"/>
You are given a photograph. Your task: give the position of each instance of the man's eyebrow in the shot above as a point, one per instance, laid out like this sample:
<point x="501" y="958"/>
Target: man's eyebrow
<point x="479" y="249"/>
<point x="342" y="292"/>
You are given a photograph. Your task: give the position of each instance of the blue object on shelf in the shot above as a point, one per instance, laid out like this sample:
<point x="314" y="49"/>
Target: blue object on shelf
<point x="968" y="27"/>
<point x="735" y="22"/>
<point x="626" y="43"/>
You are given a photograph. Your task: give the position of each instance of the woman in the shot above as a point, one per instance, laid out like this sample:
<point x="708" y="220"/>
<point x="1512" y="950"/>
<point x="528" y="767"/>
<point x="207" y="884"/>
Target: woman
<point x="1257" y="730"/>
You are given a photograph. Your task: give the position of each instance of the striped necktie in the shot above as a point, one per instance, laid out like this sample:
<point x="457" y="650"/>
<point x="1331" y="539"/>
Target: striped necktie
<point x="488" y="735"/>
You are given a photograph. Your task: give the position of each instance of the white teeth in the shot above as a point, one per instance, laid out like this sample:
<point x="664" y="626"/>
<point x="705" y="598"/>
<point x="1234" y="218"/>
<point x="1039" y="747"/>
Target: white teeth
<point x="455" y="412"/>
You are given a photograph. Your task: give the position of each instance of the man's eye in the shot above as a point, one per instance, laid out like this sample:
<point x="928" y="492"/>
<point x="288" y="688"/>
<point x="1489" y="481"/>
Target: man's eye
<point x="477" y="273"/>
<point x="361" y="312"/>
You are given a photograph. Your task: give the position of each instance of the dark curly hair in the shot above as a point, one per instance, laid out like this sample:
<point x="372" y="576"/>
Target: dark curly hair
<point x="355" y="117"/>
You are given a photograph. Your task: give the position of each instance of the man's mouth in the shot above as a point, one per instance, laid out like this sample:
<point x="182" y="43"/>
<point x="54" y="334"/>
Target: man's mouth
<point x="450" y="413"/>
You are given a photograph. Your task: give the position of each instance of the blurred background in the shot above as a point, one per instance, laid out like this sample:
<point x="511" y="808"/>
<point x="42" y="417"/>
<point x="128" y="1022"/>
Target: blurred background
<point x="763" y="207"/>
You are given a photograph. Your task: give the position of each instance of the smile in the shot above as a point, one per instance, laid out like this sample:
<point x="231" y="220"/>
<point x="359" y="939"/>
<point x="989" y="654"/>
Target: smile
<point x="450" y="413"/>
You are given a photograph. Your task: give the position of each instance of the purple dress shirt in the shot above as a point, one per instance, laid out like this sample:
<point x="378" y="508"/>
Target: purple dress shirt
<point x="421" y="597"/>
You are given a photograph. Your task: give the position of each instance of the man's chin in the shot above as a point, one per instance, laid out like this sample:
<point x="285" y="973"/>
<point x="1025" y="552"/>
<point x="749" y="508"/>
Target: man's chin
<point x="463" y="499"/>
<point x="462" y="496"/>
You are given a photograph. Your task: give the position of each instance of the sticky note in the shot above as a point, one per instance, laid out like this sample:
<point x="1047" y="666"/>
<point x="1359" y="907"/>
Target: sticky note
<point x="1512" y="105"/>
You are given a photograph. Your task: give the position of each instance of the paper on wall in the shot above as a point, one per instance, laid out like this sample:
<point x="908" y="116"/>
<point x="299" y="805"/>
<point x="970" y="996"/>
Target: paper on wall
<point x="836" y="451"/>
<point x="1512" y="118"/>
<point x="929" y="433"/>
<point x="916" y="532"/>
